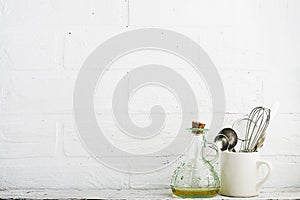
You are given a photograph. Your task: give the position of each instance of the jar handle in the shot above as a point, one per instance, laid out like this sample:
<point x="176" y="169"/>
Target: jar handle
<point x="215" y="148"/>
<point x="263" y="180"/>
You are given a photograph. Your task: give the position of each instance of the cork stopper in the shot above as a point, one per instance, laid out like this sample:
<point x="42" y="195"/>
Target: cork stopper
<point x="196" y="124"/>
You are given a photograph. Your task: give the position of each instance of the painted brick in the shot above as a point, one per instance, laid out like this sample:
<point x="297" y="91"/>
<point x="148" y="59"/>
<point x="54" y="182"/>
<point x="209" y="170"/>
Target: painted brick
<point x="27" y="50"/>
<point x="283" y="132"/>
<point x="38" y="92"/>
<point x="280" y="85"/>
<point x="60" y="13"/>
<point x="27" y="136"/>
<point x="285" y="171"/>
<point x="243" y="90"/>
<point x="181" y="13"/>
<point x="60" y="176"/>
<point x="79" y="43"/>
<point x="73" y="147"/>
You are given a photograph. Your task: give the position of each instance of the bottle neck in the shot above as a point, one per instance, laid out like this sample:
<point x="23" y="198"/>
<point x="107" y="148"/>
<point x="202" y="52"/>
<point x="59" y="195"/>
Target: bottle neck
<point x="197" y="144"/>
<point x="199" y="138"/>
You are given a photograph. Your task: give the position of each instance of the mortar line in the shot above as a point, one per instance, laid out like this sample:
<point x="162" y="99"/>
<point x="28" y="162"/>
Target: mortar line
<point x="128" y="10"/>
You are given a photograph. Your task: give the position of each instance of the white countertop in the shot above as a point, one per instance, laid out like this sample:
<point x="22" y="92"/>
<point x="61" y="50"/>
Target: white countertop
<point x="288" y="193"/>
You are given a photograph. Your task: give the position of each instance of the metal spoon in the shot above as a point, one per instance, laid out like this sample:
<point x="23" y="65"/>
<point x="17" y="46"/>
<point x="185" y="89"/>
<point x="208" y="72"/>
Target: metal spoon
<point x="227" y="138"/>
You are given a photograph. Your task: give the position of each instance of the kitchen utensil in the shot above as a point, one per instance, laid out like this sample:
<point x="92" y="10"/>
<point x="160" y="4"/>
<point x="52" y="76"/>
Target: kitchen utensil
<point x="257" y="124"/>
<point x="239" y="126"/>
<point x="274" y="108"/>
<point x="226" y="139"/>
<point x="260" y="142"/>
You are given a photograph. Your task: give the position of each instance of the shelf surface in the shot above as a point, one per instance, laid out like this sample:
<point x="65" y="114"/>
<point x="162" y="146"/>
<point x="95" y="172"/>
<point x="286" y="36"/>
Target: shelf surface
<point x="287" y="193"/>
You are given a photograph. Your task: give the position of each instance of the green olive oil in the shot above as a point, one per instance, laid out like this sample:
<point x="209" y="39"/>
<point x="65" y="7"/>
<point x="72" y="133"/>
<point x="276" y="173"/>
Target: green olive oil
<point x="186" y="192"/>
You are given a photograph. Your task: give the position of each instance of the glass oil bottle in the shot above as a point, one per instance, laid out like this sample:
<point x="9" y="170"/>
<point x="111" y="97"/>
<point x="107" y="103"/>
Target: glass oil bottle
<point x="196" y="177"/>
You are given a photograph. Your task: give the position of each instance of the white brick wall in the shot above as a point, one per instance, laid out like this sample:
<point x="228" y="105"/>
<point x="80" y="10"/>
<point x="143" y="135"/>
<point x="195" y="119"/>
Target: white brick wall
<point x="254" y="44"/>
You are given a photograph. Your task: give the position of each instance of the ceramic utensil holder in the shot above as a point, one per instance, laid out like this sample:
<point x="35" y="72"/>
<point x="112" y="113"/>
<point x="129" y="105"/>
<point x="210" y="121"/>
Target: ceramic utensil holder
<point x="239" y="174"/>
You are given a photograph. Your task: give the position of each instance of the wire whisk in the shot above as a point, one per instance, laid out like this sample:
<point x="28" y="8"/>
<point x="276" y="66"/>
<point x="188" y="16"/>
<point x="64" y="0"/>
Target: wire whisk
<point x="258" y="121"/>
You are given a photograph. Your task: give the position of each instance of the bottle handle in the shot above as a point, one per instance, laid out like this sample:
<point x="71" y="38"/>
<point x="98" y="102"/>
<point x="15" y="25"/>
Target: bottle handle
<point x="215" y="148"/>
<point x="263" y="180"/>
